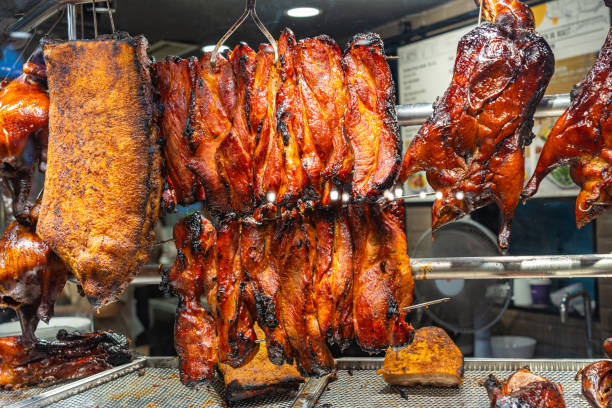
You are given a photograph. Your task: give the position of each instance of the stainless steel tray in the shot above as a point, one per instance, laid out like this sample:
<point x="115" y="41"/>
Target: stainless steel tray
<point x="154" y="382"/>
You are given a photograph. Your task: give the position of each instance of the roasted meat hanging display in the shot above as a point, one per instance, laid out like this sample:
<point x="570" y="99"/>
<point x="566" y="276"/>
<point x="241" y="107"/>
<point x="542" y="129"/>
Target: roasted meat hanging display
<point x="191" y="276"/>
<point x="174" y="80"/>
<point x="472" y="146"/>
<point x="24" y="120"/>
<point x="370" y="120"/>
<point x="524" y="389"/>
<point x="31" y="276"/>
<point x="103" y="180"/>
<point x="582" y="139"/>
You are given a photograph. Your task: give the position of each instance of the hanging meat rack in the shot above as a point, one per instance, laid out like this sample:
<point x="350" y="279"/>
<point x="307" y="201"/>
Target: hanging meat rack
<point x="500" y="267"/>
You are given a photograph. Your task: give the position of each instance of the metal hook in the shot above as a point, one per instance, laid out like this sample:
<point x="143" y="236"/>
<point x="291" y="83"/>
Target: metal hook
<point x="249" y="10"/>
<point x="95" y="19"/>
<point x="110" y="16"/>
<point x="480" y="14"/>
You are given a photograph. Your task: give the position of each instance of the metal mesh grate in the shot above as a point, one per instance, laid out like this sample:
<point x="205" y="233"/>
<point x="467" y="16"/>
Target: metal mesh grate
<point x="358" y="388"/>
<point x="11" y="397"/>
<point x="161" y="388"/>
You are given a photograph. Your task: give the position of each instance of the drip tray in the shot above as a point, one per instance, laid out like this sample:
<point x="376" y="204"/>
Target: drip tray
<point x="154" y="382"/>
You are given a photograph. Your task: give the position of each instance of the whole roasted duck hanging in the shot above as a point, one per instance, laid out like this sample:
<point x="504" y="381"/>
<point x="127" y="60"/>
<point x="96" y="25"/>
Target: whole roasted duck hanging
<point x="472" y="147"/>
<point x="581" y="138"/>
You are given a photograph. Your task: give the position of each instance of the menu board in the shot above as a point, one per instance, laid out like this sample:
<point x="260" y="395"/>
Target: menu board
<point x="574" y="29"/>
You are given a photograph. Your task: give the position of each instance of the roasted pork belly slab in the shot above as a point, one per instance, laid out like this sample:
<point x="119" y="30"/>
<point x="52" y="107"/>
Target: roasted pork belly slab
<point x="103" y="180"/>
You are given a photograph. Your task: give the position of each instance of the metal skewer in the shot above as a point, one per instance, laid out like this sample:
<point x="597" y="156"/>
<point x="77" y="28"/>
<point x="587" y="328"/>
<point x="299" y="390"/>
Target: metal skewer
<point x="427" y="304"/>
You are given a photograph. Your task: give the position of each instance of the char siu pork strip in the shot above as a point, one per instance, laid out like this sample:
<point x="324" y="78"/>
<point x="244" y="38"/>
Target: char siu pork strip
<point x="582" y="138"/>
<point x="472" y="146"/>
<point x="295" y="246"/>
<point x="195" y="332"/>
<point x="103" y="181"/>
<point x="234" y="155"/>
<point x="325" y="152"/>
<point x="371" y="122"/>
<point x="382" y="278"/>
<point x="289" y="124"/>
<point x="174" y="80"/>
<point x="268" y="163"/>
<point x="260" y="265"/>
<point x="234" y="320"/>
<point x="211" y="121"/>
<point x="333" y="279"/>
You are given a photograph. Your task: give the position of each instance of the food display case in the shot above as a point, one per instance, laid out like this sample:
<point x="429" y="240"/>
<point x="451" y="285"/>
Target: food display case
<point x="349" y="381"/>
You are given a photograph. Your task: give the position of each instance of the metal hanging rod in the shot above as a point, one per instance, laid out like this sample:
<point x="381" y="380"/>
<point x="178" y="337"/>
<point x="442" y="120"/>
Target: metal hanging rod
<point x="43" y="11"/>
<point x="416" y="114"/>
<point x="496" y="267"/>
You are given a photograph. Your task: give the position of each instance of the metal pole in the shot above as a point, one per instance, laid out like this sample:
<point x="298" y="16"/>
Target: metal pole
<point x="72" y="21"/>
<point x="509" y="267"/>
<point x="417" y="114"/>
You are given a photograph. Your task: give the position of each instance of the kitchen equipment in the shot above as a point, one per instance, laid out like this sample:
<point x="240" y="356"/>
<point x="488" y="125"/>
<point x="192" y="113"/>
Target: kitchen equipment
<point x="513" y="346"/>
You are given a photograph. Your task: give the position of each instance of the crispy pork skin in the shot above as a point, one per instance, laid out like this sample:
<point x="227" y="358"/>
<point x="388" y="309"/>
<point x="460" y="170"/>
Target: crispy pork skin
<point x="473" y="144"/>
<point x="259" y="376"/>
<point x="431" y="359"/>
<point x="103" y="180"/>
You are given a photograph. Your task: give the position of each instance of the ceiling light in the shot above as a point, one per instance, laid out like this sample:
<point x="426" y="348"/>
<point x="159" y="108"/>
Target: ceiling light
<point x="102" y="10"/>
<point x="210" y="48"/>
<point x="302" y="12"/>
<point x="20" y="35"/>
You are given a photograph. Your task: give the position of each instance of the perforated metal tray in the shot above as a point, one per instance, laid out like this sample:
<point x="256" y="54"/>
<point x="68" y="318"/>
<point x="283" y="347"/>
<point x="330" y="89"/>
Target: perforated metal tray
<point x="154" y="382"/>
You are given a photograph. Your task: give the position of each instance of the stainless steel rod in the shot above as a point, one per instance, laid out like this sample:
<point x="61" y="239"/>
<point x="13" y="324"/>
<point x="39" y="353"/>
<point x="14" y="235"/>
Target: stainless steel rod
<point x="417" y="114"/>
<point x="505" y="267"/>
<point x="497" y="267"/>
<point x="71" y="17"/>
<point x="43" y="11"/>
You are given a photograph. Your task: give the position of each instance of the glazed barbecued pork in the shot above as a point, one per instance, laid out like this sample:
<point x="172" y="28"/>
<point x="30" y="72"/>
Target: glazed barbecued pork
<point x="31" y="275"/>
<point x="234" y="155"/>
<point x="195" y="337"/>
<point x="24" y="120"/>
<point x="382" y="279"/>
<point x="72" y="356"/>
<point x="267" y="153"/>
<point x="322" y="96"/>
<point x="260" y="264"/>
<point x="234" y="319"/>
<point x="174" y="80"/>
<point x="472" y="146"/>
<point x="524" y="389"/>
<point x="103" y="179"/>
<point x="211" y="121"/>
<point x="333" y="278"/>
<point x="295" y="246"/>
<point x="581" y="138"/>
<point x="371" y="122"/>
